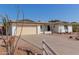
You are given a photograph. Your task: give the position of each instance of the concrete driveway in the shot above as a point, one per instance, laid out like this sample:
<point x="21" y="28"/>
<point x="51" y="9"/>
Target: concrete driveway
<point x="60" y="43"/>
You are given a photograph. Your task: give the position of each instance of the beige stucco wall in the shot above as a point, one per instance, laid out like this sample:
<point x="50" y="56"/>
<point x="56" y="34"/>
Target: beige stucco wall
<point x="27" y="30"/>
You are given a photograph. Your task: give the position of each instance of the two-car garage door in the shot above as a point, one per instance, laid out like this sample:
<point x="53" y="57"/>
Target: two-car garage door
<point x="27" y="30"/>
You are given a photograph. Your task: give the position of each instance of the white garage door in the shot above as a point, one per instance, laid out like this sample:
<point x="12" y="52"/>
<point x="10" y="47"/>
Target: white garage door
<point x="27" y="30"/>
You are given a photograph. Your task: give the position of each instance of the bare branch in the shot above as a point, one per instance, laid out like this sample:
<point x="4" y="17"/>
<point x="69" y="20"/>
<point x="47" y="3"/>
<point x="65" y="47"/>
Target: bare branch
<point x="20" y="32"/>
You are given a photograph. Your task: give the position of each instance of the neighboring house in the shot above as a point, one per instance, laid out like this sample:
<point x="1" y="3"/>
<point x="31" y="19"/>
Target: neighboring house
<point x="61" y="27"/>
<point x="31" y="28"/>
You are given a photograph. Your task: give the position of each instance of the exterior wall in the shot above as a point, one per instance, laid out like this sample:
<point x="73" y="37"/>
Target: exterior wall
<point x="56" y="29"/>
<point x="61" y="29"/>
<point x="69" y="29"/>
<point x="51" y="28"/>
<point x="13" y="30"/>
<point x="38" y="29"/>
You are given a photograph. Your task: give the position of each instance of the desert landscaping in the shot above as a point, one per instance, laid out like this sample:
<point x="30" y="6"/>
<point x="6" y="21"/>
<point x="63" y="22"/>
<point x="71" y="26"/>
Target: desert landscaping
<point x="61" y="44"/>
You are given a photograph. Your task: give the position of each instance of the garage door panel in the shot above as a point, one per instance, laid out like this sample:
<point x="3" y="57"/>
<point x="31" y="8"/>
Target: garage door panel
<point x="28" y="30"/>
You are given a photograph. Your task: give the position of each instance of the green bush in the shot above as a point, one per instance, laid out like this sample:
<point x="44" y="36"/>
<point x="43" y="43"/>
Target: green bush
<point x="75" y="27"/>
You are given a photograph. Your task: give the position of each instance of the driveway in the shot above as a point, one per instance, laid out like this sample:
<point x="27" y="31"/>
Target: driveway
<point x="60" y="43"/>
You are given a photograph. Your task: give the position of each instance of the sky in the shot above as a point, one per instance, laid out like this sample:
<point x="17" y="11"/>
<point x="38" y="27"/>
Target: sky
<point x="42" y="12"/>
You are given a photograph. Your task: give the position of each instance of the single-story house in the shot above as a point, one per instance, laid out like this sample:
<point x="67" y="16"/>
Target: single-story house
<point x="31" y="28"/>
<point x="28" y="28"/>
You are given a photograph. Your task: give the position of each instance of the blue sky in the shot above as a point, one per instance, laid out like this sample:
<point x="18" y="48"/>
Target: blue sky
<point x="43" y="12"/>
